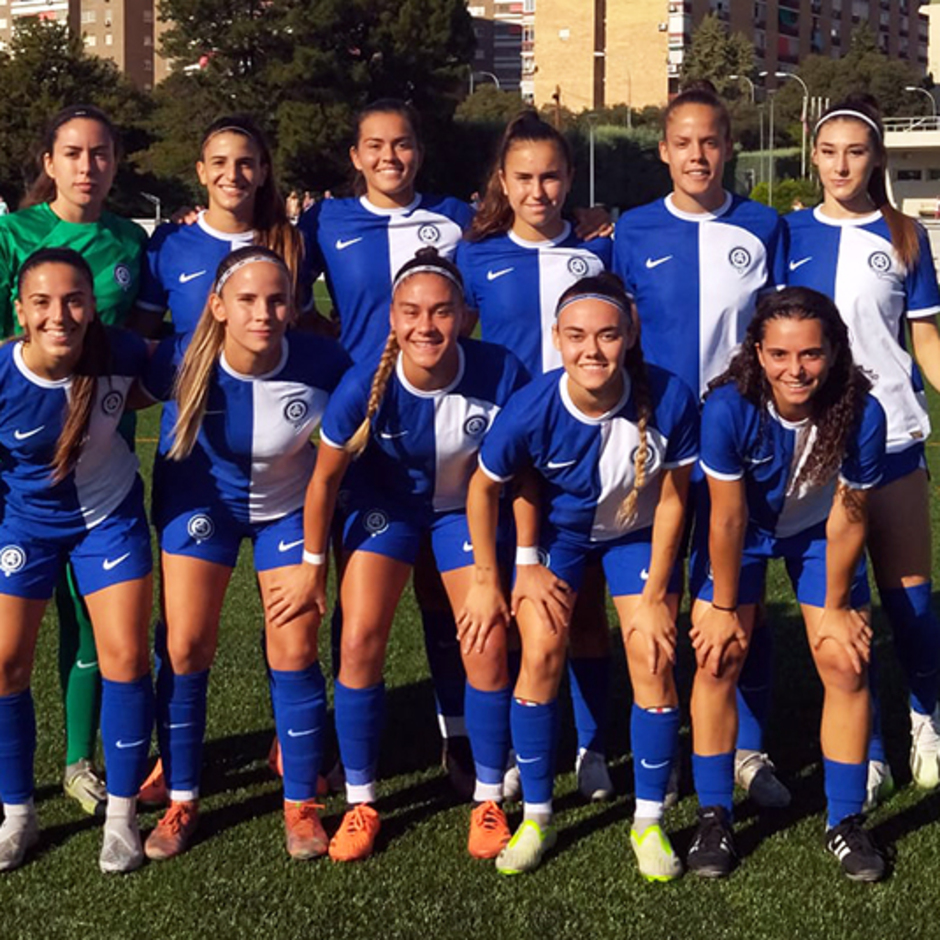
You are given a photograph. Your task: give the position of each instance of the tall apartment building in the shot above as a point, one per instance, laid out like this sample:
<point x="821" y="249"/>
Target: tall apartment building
<point x="504" y="43"/>
<point x="593" y="53"/>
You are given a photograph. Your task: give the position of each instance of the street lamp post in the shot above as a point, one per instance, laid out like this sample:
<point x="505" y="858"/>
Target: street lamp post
<point x="592" y="120"/>
<point x="155" y="201"/>
<point x="802" y="117"/>
<point x="486" y="75"/>
<point x="930" y="97"/>
<point x="770" y="178"/>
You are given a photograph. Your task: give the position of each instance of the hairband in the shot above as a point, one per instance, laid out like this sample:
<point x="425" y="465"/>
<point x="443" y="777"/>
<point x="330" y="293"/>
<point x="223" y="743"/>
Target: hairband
<point x="427" y="269"/>
<point x="849" y="113"/>
<point x="249" y="259"/>
<point x="604" y="298"/>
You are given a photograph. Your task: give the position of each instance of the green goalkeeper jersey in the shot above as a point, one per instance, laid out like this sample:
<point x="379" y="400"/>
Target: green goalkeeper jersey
<point x="112" y="246"/>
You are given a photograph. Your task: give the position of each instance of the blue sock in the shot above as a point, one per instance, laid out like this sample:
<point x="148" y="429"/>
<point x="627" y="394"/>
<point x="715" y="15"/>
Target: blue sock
<point x="654" y="736"/>
<point x="488" y="729"/>
<point x="336" y="639"/>
<point x="589" y="678"/>
<point x="126" y="727"/>
<point x="300" y="716"/>
<point x="845" y="789"/>
<point x="446" y="666"/>
<point x="17" y="747"/>
<point x="755" y="690"/>
<point x="534" y="736"/>
<point x="360" y="714"/>
<point x="917" y="641"/>
<point x="714" y="780"/>
<point x="876" y="743"/>
<point x="181" y="726"/>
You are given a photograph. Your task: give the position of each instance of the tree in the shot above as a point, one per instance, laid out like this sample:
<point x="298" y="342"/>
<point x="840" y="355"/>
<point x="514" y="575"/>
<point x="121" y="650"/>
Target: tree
<point x="714" y="54"/>
<point x="488" y="104"/>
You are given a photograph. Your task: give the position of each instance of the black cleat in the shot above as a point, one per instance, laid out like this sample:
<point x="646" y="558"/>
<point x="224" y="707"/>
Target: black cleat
<point x="712" y="853"/>
<point x="854" y="847"/>
<point x="457" y="761"/>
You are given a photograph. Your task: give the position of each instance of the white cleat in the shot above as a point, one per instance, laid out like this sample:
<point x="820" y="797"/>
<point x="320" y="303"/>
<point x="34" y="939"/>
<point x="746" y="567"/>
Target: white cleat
<point x="593" y="777"/>
<point x="880" y="784"/>
<point x="121" y="851"/>
<point x="512" y="781"/>
<point x="655" y="856"/>
<point x="526" y="848"/>
<point x="755" y="773"/>
<point x="925" y="749"/>
<point x="18" y="835"/>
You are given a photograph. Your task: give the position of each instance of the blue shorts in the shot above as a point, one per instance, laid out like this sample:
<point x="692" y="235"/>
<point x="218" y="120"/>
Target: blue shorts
<point x="114" y="551"/>
<point x="211" y="533"/>
<point x="805" y="557"/>
<point x="902" y="463"/>
<point x="625" y="561"/>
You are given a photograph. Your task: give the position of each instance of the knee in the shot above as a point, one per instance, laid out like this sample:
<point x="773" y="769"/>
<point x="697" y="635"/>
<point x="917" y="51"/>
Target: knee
<point x="14" y="677"/>
<point x="291" y="653"/>
<point x="125" y="664"/>
<point x="489" y="670"/>
<point x="836" y="670"/>
<point x="544" y="663"/>
<point x="188" y="653"/>
<point x="362" y="649"/>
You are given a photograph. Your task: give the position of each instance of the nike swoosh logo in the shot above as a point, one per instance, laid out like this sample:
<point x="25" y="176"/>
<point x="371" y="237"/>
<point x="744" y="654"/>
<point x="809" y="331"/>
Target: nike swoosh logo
<point x="391" y="435"/>
<point x="110" y="563"/>
<point x="300" y="734"/>
<point x="176" y="725"/>
<point x="186" y="278"/>
<point x="340" y="244"/>
<point x="799" y="264"/>
<point x="467" y="547"/>
<point x="492" y="275"/>
<point x="283" y="546"/>
<point x="22" y="435"/>
<point x="527" y="760"/>
<point x="559" y="464"/>
<point x="125" y="744"/>
<point x="645" y="763"/>
<point x="645" y="574"/>
<point x="82" y="665"/>
<point x="656" y="262"/>
<point x="754" y="461"/>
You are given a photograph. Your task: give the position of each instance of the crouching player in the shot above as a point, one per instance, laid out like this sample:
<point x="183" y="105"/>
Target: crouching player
<point x="792" y="443"/>
<point x="614" y="443"/>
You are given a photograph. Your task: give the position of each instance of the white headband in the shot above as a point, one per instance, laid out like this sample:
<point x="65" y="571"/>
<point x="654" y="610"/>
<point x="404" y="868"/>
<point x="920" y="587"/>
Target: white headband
<point x="427" y="269"/>
<point x="626" y="311"/>
<point x="848" y="113"/>
<point x="242" y="262"/>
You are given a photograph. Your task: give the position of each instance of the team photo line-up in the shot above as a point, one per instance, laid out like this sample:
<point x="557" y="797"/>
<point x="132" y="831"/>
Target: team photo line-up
<point x="663" y="406"/>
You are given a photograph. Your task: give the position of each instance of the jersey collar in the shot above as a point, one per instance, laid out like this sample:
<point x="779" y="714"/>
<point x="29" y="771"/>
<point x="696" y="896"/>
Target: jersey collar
<point x="698" y="216"/>
<point x="546" y="243"/>
<point x="437" y="392"/>
<point x="789" y="425"/>
<point x="31" y="376"/>
<point x="399" y="210"/>
<point x="578" y="414"/>
<point x="254" y="378"/>
<point x="238" y="239"/>
<point x="820" y="216"/>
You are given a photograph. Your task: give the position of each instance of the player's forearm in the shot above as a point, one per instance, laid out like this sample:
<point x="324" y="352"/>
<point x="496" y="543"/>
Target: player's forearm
<point x="668" y="527"/>
<point x="482" y="520"/>
<point x="846" y="531"/>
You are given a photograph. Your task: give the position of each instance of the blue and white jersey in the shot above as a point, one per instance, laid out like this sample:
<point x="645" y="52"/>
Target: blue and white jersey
<point x="696" y="279"/>
<point x="254" y="451"/>
<point x="588" y="463"/>
<point x="767" y="452"/>
<point x="515" y="285"/>
<point x="180" y="267"/>
<point x="361" y="248"/>
<point x="852" y="261"/>
<point x="423" y="445"/>
<point x="32" y="415"/>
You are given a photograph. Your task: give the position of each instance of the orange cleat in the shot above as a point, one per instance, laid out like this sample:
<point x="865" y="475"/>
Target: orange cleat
<point x="489" y="831"/>
<point x="153" y="792"/>
<point x="306" y="837"/>
<point x="355" y="838"/>
<point x="174" y="832"/>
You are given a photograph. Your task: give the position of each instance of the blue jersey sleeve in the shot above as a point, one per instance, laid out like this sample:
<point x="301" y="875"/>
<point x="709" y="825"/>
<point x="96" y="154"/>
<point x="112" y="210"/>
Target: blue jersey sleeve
<point x="153" y="294"/>
<point x="160" y="372"/>
<point x="313" y="264"/>
<point x="505" y="449"/>
<point x="347" y="407"/>
<point x="923" y="294"/>
<point x="604" y="249"/>
<point x="463" y="258"/>
<point x="721" y="450"/>
<point x="128" y="353"/>
<point x="863" y="465"/>
<point x="620" y="258"/>
<point x="682" y="444"/>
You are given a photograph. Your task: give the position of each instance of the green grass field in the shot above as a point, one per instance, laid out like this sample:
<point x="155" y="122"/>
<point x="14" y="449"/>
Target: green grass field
<point x="237" y="880"/>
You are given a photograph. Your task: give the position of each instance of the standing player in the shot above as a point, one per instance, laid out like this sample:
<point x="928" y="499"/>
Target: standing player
<point x="792" y="444"/>
<point x="246" y="399"/>
<point x="574" y="427"/>
<point x="696" y="262"/>
<point x="78" y="158"/>
<point x="72" y="493"/>
<point x="416" y="415"/>
<point x="519" y="257"/>
<point x="876" y="264"/>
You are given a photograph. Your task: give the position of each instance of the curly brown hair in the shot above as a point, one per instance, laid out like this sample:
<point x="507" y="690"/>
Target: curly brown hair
<point x="838" y="404"/>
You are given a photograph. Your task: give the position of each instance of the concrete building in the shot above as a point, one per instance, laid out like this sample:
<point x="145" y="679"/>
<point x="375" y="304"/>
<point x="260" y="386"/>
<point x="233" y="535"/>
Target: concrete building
<point x="502" y="47"/>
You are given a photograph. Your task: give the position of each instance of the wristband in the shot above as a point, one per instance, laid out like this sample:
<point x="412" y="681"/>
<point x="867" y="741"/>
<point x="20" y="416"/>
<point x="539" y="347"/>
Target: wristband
<point x="725" y="610"/>
<point x="527" y="555"/>
<point x="314" y="558"/>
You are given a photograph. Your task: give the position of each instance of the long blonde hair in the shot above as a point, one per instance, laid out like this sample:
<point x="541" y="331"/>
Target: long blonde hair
<point x="191" y="387"/>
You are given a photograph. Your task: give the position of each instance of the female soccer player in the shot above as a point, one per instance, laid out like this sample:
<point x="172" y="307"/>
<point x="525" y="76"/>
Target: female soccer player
<point x="614" y="443"/>
<point x="697" y="261"/>
<point x="78" y="157"/>
<point x="792" y="444"/>
<point x="72" y="493"/>
<point x="876" y="264"/>
<point x="520" y="255"/>
<point x="245" y="400"/>
<point x="417" y="418"/>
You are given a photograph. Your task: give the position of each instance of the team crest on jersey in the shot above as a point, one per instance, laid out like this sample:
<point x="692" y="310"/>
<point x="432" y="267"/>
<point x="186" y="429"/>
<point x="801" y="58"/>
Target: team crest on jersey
<point x="740" y="259"/>
<point x="475" y="425"/>
<point x="122" y="276"/>
<point x="200" y="527"/>
<point x="577" y="266"/>
<point x="653" y="457"/>
<point x="112" y="403"/>
<point x="12" y="559"/>
<point x="296" y="410"/>
<point x="430" y="234"/>
<point x="375" y="521"/>
<point x="879" y="262"/>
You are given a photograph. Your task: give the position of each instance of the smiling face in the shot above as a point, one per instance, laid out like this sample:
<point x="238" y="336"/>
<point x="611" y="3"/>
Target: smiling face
<point x="845" y="155"/>
<point x="795" y="356"/>
<point x="55" y="307"/>
<point x="388" y="155"/>
<point x="232" y="171"/>
<point x="696" y="146"/>
<point x="536" y="179"/>
<point x="82" y="164"/>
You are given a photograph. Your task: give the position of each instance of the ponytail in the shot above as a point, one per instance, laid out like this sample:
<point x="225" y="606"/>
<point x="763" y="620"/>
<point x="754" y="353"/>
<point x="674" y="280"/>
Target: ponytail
<point x="360" y="440"/>
<point x="635" y="365"/>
